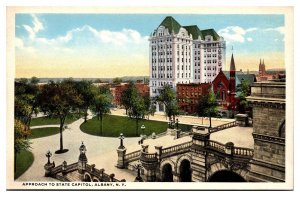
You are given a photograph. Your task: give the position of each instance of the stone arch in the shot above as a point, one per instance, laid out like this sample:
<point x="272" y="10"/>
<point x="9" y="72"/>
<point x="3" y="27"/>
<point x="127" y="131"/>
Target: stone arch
<point x="184" y="168"/>
<point x="165" y="169"/>
<point x="95" y="179"/>
<point x="167" y="161"/>
<point x="87" y="177"/>
<point x="281" y="130"/>
<point x="216" y="167"/>
<point x="180" y="159"/>
<point x="226" y="176"/>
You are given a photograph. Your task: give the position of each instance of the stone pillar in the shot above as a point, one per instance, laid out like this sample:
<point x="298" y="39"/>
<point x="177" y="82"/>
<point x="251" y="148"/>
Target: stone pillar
<point x="150" y="164"/>
<point x="48" y="166"/>
<point x="201" y="138"/>
<point x="158" y="150"/>
<point x="121" y="153"/>
<point x="121" y="157"/>
<point x="229" y="148"/>
<point x="82" y="160"/>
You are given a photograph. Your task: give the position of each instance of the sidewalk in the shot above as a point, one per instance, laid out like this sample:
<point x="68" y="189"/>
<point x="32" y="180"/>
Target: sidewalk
<point x="190" y="120"/>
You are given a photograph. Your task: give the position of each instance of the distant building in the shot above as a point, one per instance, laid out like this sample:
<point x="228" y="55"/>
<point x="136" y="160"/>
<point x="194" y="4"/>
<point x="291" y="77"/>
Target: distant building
<point x="189" y="94"/>
<point x="270" y="74"/>
<point x="182" y="55"/>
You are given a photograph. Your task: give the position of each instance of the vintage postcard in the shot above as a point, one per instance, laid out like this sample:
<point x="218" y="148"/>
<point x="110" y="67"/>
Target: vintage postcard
<point x="165" y="98"/>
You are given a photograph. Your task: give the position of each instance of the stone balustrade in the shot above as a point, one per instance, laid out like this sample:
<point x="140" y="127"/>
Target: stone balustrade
<point x="222" y="127"/>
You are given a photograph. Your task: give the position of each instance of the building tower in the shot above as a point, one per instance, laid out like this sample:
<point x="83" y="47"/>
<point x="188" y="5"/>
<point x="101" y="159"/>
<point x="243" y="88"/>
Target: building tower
<point x="262" y="68"/>
<point x="183" y="54"/>
<point x="231" y="92"/>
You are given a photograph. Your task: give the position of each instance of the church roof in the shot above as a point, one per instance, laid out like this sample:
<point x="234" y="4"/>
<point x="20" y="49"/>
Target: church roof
<point x="232" y="64"/>
<point x="240" y="76"/>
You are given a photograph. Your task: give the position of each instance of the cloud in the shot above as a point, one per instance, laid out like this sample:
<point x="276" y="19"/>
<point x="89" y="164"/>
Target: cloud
<point x="280" y="29"/>
<point x="37" y="26"/>
<point x="249" y="39"/>
<point x="235" y="33"/>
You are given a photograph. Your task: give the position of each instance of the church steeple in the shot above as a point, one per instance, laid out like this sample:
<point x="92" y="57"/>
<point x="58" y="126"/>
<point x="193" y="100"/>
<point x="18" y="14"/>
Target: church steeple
<point x="232" y="67"/>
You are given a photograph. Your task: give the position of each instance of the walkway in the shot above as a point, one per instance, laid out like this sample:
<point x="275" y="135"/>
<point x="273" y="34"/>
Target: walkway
<point x="97" y="148"/>
<point x="191" y="120"/>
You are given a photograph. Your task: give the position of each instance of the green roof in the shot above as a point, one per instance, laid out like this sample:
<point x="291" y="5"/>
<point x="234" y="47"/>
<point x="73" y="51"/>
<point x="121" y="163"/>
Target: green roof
<point x="211" y="32"/>
<point x="194" y="30"/>
<point x="171" y="24"/>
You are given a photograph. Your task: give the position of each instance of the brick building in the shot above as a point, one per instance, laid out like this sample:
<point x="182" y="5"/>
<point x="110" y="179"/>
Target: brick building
<point x="188" y="95"/>
<point x="142" y="88"/>
<point x="226" y="85"/>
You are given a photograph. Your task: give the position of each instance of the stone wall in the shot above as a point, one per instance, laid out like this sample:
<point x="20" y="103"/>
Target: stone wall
<point x="268" y="102"/>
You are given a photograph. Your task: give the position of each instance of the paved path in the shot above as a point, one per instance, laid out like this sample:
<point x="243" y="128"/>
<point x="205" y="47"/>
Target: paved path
<point x="97" y="148"/>
<point x="192" y="120"/>
<point x="101" y="151"/>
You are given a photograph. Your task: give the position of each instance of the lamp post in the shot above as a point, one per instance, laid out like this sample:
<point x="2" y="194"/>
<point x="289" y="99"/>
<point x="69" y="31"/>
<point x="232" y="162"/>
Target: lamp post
<point x="121" y="137"/>
<point x="138" y="178"/>
<point x="177" y="121"/>
<point x="143" y="128"/>
<point x="48" y="155"/>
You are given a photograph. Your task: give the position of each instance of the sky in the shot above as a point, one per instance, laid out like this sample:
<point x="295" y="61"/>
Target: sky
<point x="116" y="45"/>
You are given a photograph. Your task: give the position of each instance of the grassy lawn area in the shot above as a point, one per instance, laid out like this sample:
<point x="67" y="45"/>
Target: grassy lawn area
<point x="43" y="132"/>
<point x="52" y="121"/>
<point x="114" y="125"/>
<point x="24" y="161"/>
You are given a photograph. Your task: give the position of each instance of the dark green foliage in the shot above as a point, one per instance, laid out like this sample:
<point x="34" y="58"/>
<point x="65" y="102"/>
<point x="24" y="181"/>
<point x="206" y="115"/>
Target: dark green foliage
<point x="24" y="160"/>
<point x="43" y="132"/>
<point x="167" y="96"/>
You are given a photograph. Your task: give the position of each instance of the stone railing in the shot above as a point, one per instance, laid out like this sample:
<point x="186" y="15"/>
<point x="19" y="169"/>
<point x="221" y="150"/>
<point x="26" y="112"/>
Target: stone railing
<point x="101" y="175"/>
<point x="216" y="146"/>
<point x="222" y="127"/>
<point x="148" y="157"/>
<point x="157" y="135"/>
<point x="166" y="152"/>
<point x="133" y="156"/>
<point x="243" y="151"/>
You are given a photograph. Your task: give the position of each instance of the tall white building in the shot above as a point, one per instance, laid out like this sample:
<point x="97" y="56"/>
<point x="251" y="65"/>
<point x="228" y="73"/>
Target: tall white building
<point x="183" y="54"/>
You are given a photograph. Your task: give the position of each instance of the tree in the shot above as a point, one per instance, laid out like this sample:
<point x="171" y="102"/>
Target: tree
<point x="21" y="141"/>
<point x="59" y="100"/>
<point x="149" y="105"/>
<point x="212" y="104"/>
<point x="126" y="99"/>
<point x="207" y="106"/>
<point x="26" y="100"/>
<point x="202" y="105"/>
<point x="167" y="96"/>
<point x="102" y="104"/>
<point x="137" y="110"/>
<point x="117" y="80"/>
<point x="88" y="93"/>
<point x="98" y="81"/>
<point x="244" y="91"/>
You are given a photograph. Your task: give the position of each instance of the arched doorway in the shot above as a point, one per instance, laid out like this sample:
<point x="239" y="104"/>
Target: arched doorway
<point x="87" y="178"/>
<point x="226" y="176"/>
<point x="185" y="171"/>
<point x="167" y="175"/>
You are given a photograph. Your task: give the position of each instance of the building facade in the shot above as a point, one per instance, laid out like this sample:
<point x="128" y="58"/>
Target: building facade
<point x="189" y="94"/>
<point x="183" y="54"/>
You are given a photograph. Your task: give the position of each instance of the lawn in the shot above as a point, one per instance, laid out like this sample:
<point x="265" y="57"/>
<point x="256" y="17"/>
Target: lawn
<point x="24" y="161"/>
<point x="114" y="125"/>
<point x="43" y="132"/>
<point x="52" y="121"/>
